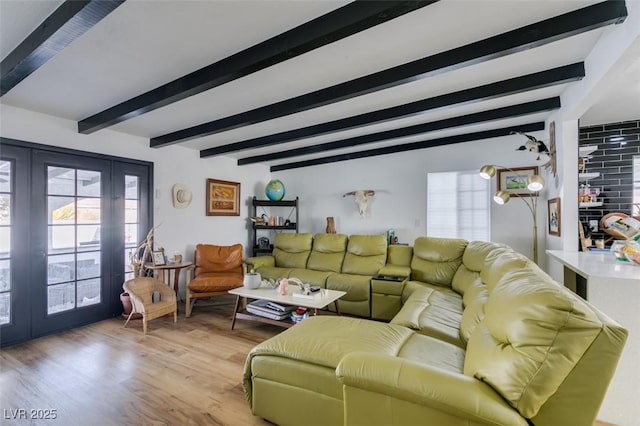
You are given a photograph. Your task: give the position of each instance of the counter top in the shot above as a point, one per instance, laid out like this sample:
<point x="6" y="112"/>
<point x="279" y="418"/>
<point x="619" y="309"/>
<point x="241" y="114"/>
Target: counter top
<point x="596" y="265"/>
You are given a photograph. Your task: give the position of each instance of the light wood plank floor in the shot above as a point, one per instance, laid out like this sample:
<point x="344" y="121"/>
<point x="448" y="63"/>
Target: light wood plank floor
<point x="189" y="373"/>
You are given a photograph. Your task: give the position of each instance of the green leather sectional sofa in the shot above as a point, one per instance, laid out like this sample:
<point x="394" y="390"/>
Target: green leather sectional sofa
<point x="480" y="336"/>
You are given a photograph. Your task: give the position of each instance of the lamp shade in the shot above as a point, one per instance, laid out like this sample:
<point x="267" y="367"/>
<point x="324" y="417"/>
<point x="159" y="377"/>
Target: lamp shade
<point x="487" y="172"/>
<point x="535" y="183"/>
<point x="501" y="197"/>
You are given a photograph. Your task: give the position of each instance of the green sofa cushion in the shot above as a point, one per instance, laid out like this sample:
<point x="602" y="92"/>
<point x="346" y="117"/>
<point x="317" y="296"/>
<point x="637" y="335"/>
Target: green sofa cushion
<point x="292" y="250"/>
<point x="366" y="255"/>
<point x="435" y="260"/>
<point x="328" y="252"/>
<point x="533" y="334"/>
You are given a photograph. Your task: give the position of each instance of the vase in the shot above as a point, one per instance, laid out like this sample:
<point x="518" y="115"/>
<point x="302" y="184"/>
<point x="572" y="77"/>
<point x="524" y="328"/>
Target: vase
<point x="331" y="225"/>
<point x="252" y="281"/>
<point x="127" y="307"/>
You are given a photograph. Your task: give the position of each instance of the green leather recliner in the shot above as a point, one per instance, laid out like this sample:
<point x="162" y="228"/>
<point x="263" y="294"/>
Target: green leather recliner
<point x="491" y="341"/>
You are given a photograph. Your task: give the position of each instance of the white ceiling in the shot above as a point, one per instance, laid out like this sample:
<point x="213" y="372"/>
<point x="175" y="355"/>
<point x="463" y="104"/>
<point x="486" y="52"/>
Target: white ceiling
<point x="144" y="44"/>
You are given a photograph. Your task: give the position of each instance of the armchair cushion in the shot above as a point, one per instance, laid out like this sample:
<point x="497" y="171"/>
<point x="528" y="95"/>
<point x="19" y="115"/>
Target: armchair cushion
<point x="215" y="281"/>
<point x="218" y="259"/>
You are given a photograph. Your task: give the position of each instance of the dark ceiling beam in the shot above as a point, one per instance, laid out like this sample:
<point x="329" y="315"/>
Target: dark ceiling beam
<point x="524" y="38"/>
<point x="68" y="22"/>
<point x="448" y="123"/>
<point x="336" y="25"/>
<point x="449" y="140"/>
<point x="510" y="86"/>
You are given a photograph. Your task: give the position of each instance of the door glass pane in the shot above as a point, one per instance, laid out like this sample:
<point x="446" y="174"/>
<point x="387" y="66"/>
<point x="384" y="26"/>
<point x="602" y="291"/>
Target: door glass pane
<point x="60" y="297"/>
<point x="5" y="308"/>
<point x="61" y="269"/>
<point x="88" y="237"/>
<point x="5" y="176"/>
<point x="6" y="170"/>
<point x="5" y="242"/>
<point x="5" y="275"/>
<point x="131" y="234"/>
<point x="74" y="261"/>
<point x="88" y="183"/>
<point x="88" y="292"/>
<point x="131" y="187"/>
<point x="88" y="265"/>
<point x="5" y="209"/>
<point x="62" y="210"/>
<point x="62" y="238"/>
<point x="131" y="218"/>
<point x="88" y="210"/>
<point x="61" y="181"/>
<point x="131" y="211"/>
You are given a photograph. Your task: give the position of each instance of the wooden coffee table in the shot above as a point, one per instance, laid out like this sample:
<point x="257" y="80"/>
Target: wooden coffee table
<point x="320" y="300"/>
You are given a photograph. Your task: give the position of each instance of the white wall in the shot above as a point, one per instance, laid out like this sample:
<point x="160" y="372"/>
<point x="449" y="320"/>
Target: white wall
<point x="179" y="229"/>
<point x="400" y="182"/>
<point x="617" y="49"/>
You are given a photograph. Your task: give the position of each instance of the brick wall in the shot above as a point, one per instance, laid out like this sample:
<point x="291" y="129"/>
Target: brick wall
<point x="617" y="144"/>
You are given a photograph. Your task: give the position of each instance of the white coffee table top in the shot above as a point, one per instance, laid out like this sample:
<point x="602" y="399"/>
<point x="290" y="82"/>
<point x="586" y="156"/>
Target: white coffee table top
<point x="320" y="299"/>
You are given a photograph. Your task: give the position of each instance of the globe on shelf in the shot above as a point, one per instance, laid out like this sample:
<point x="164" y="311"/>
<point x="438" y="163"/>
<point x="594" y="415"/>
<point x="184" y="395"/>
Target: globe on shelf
<point x="275" y="190"/>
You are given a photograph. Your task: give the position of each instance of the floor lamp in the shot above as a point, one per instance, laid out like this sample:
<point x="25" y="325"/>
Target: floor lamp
<point x="533" y="184"/>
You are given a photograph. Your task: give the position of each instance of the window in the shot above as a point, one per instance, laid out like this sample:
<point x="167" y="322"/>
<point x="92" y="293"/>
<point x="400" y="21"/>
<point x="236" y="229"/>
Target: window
<point x="458" y="205"/>
<point x="636" y="186"/>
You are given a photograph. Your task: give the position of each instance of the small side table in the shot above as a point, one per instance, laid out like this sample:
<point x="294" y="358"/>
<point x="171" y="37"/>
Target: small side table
<point x="166" y="272"/>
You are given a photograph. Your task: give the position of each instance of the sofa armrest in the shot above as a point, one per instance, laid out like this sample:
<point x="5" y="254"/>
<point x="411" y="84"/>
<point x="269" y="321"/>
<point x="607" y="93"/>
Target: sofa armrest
<point x="260" y="261"/>
<point x="455" y="394"/>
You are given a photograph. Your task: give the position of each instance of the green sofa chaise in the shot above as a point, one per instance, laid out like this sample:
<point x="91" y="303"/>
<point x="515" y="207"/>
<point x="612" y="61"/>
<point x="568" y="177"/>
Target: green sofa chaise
<point x="482" y="336"/>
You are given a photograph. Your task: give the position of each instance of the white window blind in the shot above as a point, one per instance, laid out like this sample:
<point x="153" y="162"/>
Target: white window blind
<point x="458" y="205"/>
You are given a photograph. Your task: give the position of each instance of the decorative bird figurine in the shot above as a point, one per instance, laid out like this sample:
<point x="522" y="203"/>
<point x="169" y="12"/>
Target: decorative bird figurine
<point x="532" y="145"/>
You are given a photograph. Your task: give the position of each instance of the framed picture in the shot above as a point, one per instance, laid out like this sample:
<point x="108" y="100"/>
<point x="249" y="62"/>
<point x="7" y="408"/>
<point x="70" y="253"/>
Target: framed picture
<point x="158" y="258"/>
<point x="554" y="216"/>
<point x="223" y="198"/>
<point x="514" y="181"/>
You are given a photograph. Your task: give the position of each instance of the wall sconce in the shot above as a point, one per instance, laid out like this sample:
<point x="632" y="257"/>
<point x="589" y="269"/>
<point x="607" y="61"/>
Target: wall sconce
<point x="533" y="184"/>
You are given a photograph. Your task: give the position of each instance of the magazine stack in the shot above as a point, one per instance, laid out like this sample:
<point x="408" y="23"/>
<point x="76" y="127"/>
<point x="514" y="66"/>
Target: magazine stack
<point x="271" y="310"/>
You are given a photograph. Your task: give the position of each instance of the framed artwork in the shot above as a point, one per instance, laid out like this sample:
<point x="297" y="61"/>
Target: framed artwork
<point x="158" y="258"/>
<point x="514" y="181"/>
<point x="223" y="198"/>
<point x="554" y="216"/>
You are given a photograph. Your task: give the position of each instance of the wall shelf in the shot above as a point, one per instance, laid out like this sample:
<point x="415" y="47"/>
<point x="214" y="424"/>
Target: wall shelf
<point x="583" y="151"/>
<point x="292" y="205"/>
<point x="587" y="176"/>
<point x="590" y="204"/>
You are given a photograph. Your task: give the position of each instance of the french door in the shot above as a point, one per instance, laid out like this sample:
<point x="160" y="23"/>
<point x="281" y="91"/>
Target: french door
<point x="64" y="246"/>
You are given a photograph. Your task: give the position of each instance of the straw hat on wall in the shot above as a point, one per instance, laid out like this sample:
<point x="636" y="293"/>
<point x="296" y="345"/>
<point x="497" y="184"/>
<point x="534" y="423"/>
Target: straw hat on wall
<point x="181" y="196"/>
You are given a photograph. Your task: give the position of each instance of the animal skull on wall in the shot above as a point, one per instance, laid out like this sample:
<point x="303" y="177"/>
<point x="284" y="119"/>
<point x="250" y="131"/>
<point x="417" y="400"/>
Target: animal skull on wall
<point x="361" y="198"/>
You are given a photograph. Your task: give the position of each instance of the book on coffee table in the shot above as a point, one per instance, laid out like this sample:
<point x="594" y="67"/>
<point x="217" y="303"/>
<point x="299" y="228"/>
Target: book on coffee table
<point x="261" y="308"/>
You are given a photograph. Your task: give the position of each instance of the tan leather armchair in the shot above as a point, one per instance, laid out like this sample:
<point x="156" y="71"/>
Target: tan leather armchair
<point x="141" y="291"/>
<point x="216" y="270"/>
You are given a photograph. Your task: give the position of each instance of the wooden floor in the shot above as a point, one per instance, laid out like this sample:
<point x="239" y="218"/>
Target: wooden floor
<point x="189" y="373"/>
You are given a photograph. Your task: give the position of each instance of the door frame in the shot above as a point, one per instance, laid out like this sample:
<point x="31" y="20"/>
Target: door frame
<point x="111" y="268"/>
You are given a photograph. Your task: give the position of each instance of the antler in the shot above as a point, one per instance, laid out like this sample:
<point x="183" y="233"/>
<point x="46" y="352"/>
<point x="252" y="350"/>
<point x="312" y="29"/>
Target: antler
<point x="367" y="192"/>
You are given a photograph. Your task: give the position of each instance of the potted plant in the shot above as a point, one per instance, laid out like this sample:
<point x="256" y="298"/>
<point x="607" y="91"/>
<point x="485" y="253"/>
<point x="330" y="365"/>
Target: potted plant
<point x="252" y="279"/>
